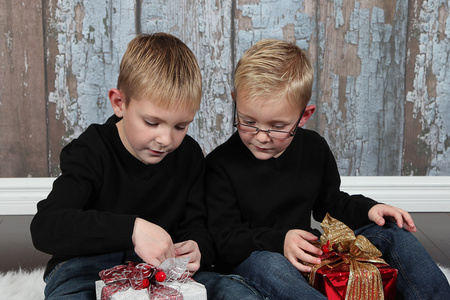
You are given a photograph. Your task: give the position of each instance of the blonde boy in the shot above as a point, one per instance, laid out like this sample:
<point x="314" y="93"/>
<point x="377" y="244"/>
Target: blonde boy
<point x="264" y="182"/>
<point x="130" y="189"/>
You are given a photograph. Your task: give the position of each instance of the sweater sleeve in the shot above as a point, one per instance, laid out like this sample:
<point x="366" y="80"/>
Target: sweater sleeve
<point x="66" y="224"/>
<point x="194" y="225"/>
<point x="350" y="209"/>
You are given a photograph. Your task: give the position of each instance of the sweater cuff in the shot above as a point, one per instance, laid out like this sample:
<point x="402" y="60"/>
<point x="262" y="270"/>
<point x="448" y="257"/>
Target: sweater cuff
<point x="274" y="241"/>
<point x="122" y="231"/>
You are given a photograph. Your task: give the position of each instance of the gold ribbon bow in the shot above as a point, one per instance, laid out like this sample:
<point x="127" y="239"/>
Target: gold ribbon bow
<point x="364" y="279"/>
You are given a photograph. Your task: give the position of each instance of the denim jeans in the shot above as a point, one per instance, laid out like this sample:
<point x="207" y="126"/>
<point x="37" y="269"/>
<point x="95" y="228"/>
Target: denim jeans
<point x="227" y="287"/>
<point x="275" y="277"/>
<point x="75" y="278"/>
<point x="418" y="275"/>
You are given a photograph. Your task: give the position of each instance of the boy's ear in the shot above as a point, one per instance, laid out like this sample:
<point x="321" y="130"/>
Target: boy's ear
<point x="233" y="96"/>
<point x="309" y="110"/>
<point x="117" y="103"/>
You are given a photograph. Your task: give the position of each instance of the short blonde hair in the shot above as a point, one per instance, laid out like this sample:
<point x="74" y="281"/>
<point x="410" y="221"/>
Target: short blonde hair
<point x="275" y="70"/>
<point x="161" y="68"/>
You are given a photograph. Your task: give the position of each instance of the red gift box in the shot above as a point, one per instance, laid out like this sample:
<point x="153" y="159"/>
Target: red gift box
<point x="332" y="282"/>
<point x="351" y="267"/>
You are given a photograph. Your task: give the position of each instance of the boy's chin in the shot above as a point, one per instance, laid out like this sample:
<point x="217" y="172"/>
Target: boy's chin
<point x="263" y="155"/>
<point x="152" y="160"/>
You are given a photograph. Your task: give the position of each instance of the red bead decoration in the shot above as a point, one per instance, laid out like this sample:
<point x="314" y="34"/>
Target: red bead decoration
<point x="325" y="249"/>
<point x="145" y="283"/>
<point x="160" y="276"/>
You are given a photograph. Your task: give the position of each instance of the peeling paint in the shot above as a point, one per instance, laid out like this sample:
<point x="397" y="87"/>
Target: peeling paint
<point x="430" y="91"/>
<point x="361" y="83"/>
<point x="79" y="16"/>
<point x="382" y="85"/>
<point x="86" y="66"/>
<point x="267" y="22"/>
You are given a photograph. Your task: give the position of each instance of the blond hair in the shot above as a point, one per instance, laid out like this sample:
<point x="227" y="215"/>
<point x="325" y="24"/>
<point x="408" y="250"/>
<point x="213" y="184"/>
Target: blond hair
<point x="161" y="68"/>
<point x="273" y="70"/>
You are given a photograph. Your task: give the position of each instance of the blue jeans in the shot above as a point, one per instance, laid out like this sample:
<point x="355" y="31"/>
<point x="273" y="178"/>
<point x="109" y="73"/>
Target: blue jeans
<point x="75" y="278"/>
<point x="227" y="287"/>
<point x="275" y="277"/>
<point x="418" y="275"/>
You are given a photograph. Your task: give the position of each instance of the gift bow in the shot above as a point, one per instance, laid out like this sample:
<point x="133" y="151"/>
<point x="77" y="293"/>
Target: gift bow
<point x="364" y="279"/>
<point x="122" y="277"/>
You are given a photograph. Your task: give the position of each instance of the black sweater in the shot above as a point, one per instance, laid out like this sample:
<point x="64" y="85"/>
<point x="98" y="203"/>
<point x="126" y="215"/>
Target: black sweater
<point x="103" y="188"/>
<point x="253" y="203"/>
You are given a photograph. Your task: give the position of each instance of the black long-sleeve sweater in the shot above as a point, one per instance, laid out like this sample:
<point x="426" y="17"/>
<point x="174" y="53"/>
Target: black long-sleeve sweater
<point x="103" y="188"/>
<point x="253" y="203"/>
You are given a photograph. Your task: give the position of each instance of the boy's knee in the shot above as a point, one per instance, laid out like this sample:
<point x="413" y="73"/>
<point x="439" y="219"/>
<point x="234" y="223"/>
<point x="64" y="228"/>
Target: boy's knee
<point x="264" y="262"/>
<point x="266" y="257"/>
<point x="389" y="231"/>
<point x="389" y="237"/>
<point x="395" y="233"/>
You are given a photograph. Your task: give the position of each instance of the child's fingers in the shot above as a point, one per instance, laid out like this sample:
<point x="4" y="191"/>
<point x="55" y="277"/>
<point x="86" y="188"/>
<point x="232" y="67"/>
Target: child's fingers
<point x="299" y="258"/>
<point x="308" y="236"/>
<point x="184" y="247"/>
<point x="299" y="266"/>
<point x="298" y="249"/>
<point x="305" y="245"/>
<point x="403" y="219"/>
<point x="298" y="241"/>
<point x="189" y="249"/>
<point x="408" y="221"/>
<point x="397" y="217"/>
<point x="380" y="212"/>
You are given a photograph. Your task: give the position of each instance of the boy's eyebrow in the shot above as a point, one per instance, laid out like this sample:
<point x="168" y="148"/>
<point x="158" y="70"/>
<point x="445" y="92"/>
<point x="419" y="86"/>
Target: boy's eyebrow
<point x="272" y="121"/>
<point x="244" y="116"/>
<point x="158" y="119"/>
<point x="154" y="118"/>
<point x="186" y="122"/>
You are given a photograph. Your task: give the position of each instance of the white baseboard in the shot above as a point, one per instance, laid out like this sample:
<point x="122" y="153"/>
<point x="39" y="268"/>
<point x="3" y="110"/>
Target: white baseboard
<point x="19" y="196"/>
<point x="412" y="193"/>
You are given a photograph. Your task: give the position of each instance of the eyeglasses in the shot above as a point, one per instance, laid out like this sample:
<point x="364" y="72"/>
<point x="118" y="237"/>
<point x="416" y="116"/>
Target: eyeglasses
<point x="275" y="134"/>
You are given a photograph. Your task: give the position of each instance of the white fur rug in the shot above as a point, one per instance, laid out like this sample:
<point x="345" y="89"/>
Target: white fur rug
<point x="29" y="285"/>
<point x="22" y="284"/>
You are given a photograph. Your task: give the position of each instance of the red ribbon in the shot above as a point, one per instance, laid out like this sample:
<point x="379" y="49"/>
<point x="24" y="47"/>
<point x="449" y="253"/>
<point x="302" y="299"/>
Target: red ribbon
<point x="136" y="276"/>
<point x="122" y="277"/>
<point x="145" y="276"/>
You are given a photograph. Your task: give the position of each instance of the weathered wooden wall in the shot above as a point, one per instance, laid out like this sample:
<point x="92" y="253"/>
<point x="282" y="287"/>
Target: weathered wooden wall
<point x="382" y="87"/>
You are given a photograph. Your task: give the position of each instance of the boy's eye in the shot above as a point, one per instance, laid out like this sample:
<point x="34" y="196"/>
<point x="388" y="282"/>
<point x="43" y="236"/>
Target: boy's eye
<point x="151" y="123"/>
<point x="278" y="126"/>
<point x="247" y="122"/>
<point x="180" y="128"/>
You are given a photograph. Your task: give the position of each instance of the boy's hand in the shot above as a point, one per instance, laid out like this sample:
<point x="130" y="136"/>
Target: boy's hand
<point x="152" y="243"/>
<point x="379" y="212"/>
<point x="189" y="249"/>
<point x="297" y="248"/>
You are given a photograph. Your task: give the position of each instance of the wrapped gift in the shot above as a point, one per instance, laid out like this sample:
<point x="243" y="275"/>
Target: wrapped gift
<point x="189" y="290"/>
<point x="144" y="281"/>
<point x="351" y="267"/>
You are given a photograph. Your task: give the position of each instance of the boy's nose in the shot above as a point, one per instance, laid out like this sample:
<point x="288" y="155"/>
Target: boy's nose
<point x="164" y="139"/>
<point x="263" y="136"/>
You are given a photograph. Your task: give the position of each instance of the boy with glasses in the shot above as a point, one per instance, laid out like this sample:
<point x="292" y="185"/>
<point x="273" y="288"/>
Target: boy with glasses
<point x="264" y="182"/>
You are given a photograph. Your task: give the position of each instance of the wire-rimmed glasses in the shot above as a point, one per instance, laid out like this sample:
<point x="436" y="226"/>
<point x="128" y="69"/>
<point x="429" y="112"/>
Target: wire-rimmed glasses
<point x="275" y="134"/>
